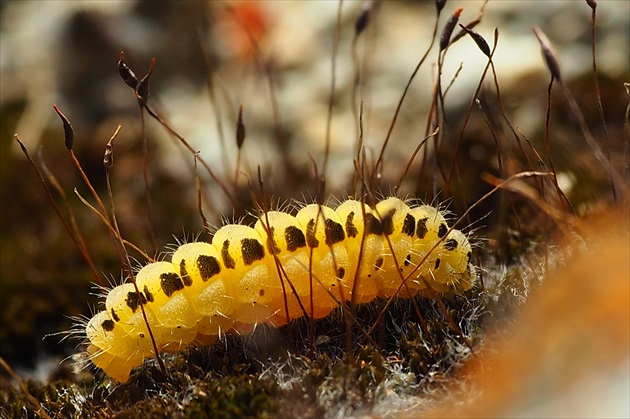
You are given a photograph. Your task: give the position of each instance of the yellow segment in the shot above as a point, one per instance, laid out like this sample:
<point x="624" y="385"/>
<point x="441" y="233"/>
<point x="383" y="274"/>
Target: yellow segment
<point x="354" y="215"/>
<point x="209" y="294"/>
<point x="453" y="274"/>
<point x="288" y="263"/>
<point x="115" y="367"/>
<point x="113" y="350"/>
<point x="396" y="246"/>
<point x="253" y="283"/>
<point x="164" y="291"/>
<point x="328" y="257"/>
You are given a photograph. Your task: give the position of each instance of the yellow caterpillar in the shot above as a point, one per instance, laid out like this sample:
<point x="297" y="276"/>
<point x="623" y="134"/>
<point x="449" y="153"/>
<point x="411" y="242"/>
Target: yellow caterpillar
<point x="283" y="268"/>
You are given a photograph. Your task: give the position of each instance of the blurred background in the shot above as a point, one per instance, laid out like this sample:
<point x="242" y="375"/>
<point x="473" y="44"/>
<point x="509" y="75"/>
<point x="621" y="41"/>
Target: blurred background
<point x="274" y="59"/>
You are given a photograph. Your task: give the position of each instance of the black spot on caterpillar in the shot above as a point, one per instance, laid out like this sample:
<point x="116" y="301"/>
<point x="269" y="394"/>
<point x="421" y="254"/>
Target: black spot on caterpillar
<point x="207" y="287"/>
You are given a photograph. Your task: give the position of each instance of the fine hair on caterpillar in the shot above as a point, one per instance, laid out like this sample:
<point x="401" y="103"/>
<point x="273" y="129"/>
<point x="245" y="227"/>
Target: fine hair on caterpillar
<point x="283" y="268"/>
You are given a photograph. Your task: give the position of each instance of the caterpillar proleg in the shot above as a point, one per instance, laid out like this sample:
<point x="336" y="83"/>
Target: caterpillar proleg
<point x="283" y="268"/>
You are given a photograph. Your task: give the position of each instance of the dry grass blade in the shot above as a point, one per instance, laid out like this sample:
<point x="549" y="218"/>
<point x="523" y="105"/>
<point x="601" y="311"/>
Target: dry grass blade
<point x="72" y="232"/>
<point x="39" y="409"/>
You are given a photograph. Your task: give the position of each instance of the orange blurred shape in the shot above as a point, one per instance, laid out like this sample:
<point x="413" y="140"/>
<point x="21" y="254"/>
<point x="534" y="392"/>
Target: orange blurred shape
<point x="245" y="25"/>
<point x="567" y="353"/>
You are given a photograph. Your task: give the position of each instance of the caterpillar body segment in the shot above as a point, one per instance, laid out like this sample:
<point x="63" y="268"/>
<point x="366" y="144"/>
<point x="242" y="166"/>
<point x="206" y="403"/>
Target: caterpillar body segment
<point x="111" y="348"/>
<point x="364" y="246"/>
<point x="212" y="297"/>
<point x="327" y="259"/>
<point x="281" y="269"/>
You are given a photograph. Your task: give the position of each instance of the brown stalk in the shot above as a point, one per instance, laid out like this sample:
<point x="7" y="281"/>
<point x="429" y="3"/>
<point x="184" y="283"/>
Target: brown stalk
<point x="214" y="101"/>
<point x="358" y="167"/>
<point x="600" y="108"/>
<point x="240" y="139"/>
<point x="333" y="80"/>
<point x="108" y="163"/>
<point x="473" y="100"/>
<point x="379" y="160"/>
<point x="145" y="177"/>
<point x="204" y="220"/>
<point x="279" y="269"/>
<point x="554" y="69"/>
<point x="554" y="178"/>
<point x="39" y="409"/>
<point x="73" y="232"/>
<point x="185" y="143"/>
<point x="142" y="101"/>
<point x="265" y="65"/>
<point x="101" y="211"/>
<point x="412" y="158"/>
<point x="471" y="24"/>
<point x="141" y="92"/>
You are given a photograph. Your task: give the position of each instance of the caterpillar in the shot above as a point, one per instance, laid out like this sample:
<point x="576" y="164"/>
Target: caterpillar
<point x="282" y="268"/>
